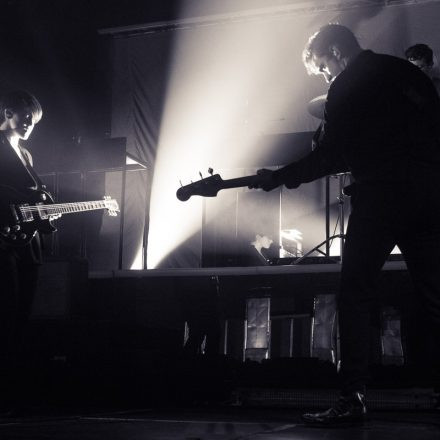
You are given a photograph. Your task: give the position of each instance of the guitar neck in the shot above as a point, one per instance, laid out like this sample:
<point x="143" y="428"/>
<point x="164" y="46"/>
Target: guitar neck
<point x="66" y="208"/>
<point x="238" y="182"/>
<point x="210" y="186"/>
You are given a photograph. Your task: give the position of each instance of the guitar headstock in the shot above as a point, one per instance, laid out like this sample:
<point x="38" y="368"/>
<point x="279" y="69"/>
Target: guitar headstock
<point x="207" y="187"/>
<point x="111" y="205"/>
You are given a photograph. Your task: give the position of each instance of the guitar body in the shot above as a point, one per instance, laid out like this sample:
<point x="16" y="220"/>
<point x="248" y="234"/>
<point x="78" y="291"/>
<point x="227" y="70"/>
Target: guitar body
<point x="23" y="213"/>
<point x="20" y="218"/>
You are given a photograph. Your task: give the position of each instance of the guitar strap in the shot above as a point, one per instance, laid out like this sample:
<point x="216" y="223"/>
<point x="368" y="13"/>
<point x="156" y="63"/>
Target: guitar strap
<point x="31" y="171"/>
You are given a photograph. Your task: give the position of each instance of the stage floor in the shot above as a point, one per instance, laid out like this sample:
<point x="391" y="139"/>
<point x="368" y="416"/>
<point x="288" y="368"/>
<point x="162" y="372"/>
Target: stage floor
<point x="230" y="271"/>
<point x="231" y="423"/>
<point x="121" y="336"/>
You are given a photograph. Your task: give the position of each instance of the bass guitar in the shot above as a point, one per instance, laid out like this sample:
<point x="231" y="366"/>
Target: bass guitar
<point x="22" y="214"/>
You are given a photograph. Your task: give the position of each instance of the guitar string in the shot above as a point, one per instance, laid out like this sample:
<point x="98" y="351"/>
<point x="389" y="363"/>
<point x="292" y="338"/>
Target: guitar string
<point x="61" y="209"/>
<point x="88" y="205"/>
<point x="49" y="207"/>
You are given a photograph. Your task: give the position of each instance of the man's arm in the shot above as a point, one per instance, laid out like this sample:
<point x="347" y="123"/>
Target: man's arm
<point x="326" y="158"/>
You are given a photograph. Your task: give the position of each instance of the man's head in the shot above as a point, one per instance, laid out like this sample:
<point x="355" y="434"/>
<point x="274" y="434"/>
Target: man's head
<point x="19" y="112"/>
<point x="329" y="51"/>
<point x="422" y="56"/>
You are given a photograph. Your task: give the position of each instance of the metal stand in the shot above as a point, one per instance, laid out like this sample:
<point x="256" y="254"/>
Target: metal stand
<point x="329" y="238"/>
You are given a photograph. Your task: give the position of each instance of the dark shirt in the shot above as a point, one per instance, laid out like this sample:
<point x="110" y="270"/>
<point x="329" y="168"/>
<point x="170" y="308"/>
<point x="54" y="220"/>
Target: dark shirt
<point x="14" y="173"/>
<point x="436" y="81"/>
<point x="12" y="170"/>
<point x="382" y="117"/>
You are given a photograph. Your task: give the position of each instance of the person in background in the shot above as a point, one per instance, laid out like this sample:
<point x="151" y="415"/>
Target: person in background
<point x="422" y="56"/>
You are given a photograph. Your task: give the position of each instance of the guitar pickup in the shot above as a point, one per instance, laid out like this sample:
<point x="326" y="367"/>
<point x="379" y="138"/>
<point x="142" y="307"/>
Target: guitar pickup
<point x="25" y="214"/>
<point x="43" y="213"/>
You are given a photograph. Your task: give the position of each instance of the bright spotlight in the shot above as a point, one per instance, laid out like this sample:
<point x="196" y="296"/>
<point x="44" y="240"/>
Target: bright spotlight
<point x="230" y="83"/>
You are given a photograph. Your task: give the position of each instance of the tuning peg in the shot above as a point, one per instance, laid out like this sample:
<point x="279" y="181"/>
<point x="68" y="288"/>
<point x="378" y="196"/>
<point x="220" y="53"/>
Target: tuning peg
<point x="200" y="174"/>
<point x="210" y="171"/>
<point x="181" y="184"/>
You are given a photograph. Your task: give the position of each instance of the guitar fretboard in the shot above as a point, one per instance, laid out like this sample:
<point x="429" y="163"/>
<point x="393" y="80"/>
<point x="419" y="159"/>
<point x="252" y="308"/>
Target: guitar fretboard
<point x="64" y="208"/>
<point x="238" y="182"/>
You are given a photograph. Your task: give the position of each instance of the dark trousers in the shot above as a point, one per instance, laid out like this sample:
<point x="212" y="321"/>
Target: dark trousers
<point x="18" y="278"/>
<point x="383" y="216"/>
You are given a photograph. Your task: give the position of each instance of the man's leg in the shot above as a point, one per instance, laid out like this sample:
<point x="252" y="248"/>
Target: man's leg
<point x="422" y="256"/>
<point x="368" y="244"/>
<point x="419" y="241"/>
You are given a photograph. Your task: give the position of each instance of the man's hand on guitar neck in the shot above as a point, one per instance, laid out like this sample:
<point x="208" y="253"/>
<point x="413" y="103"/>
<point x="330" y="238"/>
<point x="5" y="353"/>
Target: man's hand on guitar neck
<point x="265" y="180"/>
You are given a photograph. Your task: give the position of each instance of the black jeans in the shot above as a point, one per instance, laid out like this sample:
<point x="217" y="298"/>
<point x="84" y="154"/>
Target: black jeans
<point x="18" y="280"/>
<point x="385" y="215"/>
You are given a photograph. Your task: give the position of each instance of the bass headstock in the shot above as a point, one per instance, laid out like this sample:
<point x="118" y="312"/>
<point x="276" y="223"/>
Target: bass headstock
<point x="111" y="205"/>
<point x="205" y="187"/>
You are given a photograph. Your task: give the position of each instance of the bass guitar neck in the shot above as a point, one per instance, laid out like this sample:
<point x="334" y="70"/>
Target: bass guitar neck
<point x="210" y="186"/>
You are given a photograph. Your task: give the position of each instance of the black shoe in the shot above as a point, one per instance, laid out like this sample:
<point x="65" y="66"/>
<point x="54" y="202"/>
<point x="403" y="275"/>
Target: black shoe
<point x="348" y="410"/>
